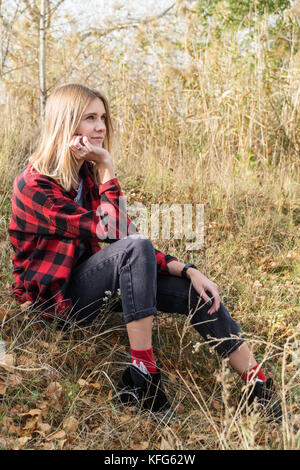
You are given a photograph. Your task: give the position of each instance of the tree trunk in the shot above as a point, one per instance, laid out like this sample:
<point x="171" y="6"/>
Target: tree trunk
<point x="42" y="58"/>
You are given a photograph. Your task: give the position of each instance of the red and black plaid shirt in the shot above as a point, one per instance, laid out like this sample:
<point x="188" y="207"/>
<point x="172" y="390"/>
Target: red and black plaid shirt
<point x="47" y="227"/>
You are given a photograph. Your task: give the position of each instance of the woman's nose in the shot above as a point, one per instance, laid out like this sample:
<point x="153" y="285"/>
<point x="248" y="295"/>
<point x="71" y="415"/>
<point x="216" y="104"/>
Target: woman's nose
<point x="100" y="124"/>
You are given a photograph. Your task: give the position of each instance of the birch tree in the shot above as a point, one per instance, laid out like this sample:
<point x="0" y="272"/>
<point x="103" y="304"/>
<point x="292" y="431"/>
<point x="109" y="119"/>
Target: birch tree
<point x="42" y="16"/>
<point x="42" y="57"/>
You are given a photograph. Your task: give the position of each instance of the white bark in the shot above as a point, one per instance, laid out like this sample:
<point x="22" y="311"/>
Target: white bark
<point x="42" y="58"/>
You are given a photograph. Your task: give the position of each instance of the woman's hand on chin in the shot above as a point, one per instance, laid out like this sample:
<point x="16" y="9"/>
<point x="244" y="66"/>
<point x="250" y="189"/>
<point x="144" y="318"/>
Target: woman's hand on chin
<point x="84" y="150"/>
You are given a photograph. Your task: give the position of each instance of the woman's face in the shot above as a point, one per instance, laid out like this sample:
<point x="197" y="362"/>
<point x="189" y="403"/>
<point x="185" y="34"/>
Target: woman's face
<point x="92" y="123"/>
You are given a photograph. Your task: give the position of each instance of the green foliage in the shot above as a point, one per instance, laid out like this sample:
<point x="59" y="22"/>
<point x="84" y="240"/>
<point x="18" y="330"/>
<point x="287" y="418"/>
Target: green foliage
<point x="241" y="8"/>
<point x="234" y="11"/>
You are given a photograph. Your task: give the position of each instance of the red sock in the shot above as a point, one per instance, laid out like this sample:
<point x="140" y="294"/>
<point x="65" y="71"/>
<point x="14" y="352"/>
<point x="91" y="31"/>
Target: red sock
<point x="146" y="357"/>
<point x="252" y="373"/>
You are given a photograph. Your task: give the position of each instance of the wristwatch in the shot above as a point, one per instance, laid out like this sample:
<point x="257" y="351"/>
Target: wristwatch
<point x="187" y="266"/>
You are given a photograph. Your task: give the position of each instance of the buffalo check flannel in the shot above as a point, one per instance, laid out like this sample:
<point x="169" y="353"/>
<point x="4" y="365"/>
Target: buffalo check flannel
<point x="47" y="227"/>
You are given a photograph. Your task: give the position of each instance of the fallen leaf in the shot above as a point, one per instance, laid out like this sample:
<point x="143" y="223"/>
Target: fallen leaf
<point x="54" y="349"/>
<point x="195" y="437"/>
<point x="3" y="313"/>
<point x="13" y="429"/>
<point x="48" y="446"/>
<point x="217" y="405"/>
<point x="147" y="426"/>
<point x="16" y="410"/>
<point x="297" y="420"/>
<point x="25" y="305"/>
<point x="54" y="389"/>
<point x="256" y="285"/>
<point x="70" y="424"/>
<point x="140" y="445"/>
<point x="82" y="382"/>
<point x="31" y="424"/>
<point x="7" y="362"/>
<point x="95" y="385"/>
<point x="172" y="377"/>
<point x="6" y="422"/>
<point x="90" y="365"/>
<point x="62" y="443"/>
<point x="70" y="361"/>
<point x="14" y="380"/>
<point x="3" y="443"/>
<point x="125" y="418"/>
<point x="169" y="441"/>
<point x="58" y="435"/>
<point x="44" y="428"/>
<point x="180" y="409"/>
<point x="43" y="405"/>
<point x="34" y="412"/>
<point x="165" y="444"/>
<point x="21" y="441"/>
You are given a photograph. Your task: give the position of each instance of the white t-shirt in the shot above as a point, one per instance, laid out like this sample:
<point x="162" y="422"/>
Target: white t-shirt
<point x="79" y="200"/>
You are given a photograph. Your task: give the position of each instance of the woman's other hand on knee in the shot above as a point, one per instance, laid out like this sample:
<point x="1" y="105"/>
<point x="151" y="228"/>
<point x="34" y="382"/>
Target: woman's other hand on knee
<point x="202" y="284"/>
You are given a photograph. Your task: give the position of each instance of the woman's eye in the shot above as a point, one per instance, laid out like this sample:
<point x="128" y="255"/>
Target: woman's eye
<point x="93" y="117"/>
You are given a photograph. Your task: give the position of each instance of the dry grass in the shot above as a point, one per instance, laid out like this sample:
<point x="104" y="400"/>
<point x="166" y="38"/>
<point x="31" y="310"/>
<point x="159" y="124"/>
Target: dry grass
<point x="58" y="389"/>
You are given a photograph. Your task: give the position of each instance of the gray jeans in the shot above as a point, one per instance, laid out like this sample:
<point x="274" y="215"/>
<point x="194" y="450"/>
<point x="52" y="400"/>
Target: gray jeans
<point x="129" y="264"/>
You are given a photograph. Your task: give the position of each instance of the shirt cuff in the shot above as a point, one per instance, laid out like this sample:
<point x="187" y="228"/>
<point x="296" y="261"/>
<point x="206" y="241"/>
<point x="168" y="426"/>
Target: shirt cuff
<point x="112" y="185"/>
<point x="169" y="258"/>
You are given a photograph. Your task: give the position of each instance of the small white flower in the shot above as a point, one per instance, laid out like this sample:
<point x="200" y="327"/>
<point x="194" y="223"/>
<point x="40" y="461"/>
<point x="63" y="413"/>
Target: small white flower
<point x="107" y="292"/>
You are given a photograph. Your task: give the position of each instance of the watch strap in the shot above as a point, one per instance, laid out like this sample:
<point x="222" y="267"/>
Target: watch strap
<point x="186" y="267"/>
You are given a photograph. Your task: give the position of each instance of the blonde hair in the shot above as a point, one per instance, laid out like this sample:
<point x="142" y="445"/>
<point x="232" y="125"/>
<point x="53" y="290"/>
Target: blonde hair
<point x="64" y="110"/>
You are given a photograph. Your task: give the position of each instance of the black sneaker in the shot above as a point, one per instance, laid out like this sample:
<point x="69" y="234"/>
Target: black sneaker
<point x="263" y="393"/>
<point x="141" y="389"/>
